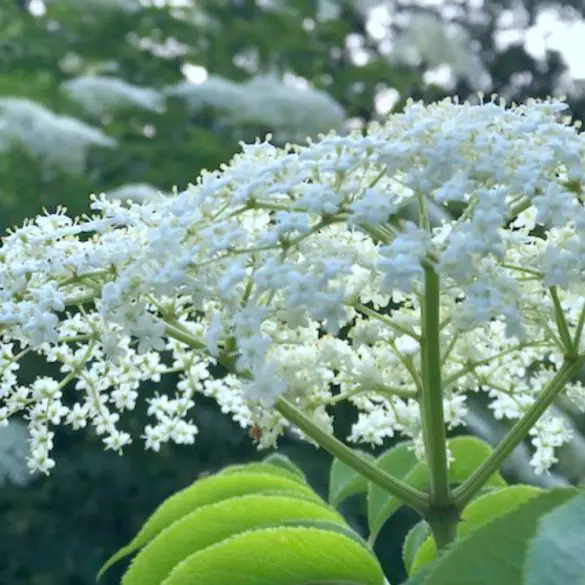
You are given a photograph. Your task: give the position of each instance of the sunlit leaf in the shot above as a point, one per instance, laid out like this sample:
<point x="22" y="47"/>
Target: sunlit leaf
<point x="208" y="491"/>
<point x="213" y="523"/>
<point x="281" y="556"/>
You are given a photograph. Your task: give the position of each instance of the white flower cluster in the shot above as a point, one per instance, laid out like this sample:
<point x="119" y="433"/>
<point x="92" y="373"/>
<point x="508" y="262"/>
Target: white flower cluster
<point x="295" y="269"/>
<point x="429" y="40"/>
<point x="123" y="5"/>
<point x="102" y="94"/>
<point x="138" y="192"/>
<point x="58" y="141"/>
<point x="291" y="112"/>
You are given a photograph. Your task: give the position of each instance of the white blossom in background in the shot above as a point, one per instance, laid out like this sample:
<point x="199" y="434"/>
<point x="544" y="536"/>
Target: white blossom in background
<point x="260" y="266"/>
<point x="428" y="39"/>
<point x="101" y="94"/>
<point x="56" y="141"/>
<point x="123" y="5"/>
<point x="331" y="9"/>
<point x="14" y="450"/>
<point x="327" y="10"/>
<point x="136" y="192"/>
<point x="292" y="111"/>
<point x="215" y="91"/>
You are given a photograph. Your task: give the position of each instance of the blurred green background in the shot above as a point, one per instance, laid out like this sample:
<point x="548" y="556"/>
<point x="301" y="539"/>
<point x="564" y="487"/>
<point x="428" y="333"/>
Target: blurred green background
<point x="109" y="95"/>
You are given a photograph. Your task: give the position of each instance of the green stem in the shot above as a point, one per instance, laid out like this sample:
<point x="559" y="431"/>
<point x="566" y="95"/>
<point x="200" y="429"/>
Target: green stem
<point x="562" y="326"/>
<point x="80" y="299"/>
<point x="470" y="366"/>
<point x="404" y="492"/>
<point x="386" y="391"/>
<point x="443" y="523"/>
<point x="579" y="330"/>
<point x="386" y="320"/>
<point x="431" y="399"/>
<point x="467" y="491"/>
<point x="521" y="206"/>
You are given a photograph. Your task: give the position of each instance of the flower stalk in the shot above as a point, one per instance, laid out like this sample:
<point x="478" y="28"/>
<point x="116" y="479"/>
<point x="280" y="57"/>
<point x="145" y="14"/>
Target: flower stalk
<point x="412" y="497"/>
<point x="442" y="522"/>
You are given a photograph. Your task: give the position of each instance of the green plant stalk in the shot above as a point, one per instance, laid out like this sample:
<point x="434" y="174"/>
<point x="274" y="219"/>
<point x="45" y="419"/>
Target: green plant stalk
<point x="579" y="330"/>
<point x="562" y="326"/>
<point x="441" y="519"/>
<point x="470" y="487"/>
<point x="412" y="497"/>
<point x="386" y="320"/>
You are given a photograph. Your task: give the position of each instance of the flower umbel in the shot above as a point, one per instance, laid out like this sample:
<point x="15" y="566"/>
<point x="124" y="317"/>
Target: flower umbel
<point x="302" y="271"/>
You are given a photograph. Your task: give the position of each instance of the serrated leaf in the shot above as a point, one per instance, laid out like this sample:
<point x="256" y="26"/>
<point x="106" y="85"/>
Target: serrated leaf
<point x="280" y="556"/>
<point x="419" y="578"/>
<point x="213" y="523"/>
<point x="208" y="491"/>
<point x="263" y="467"/>
<point x="280" y="460"/>
<point x="327" y="525"/>
<point x="413" y="541"/>
<point x="344" y="481"/>
<point x="468" y="452"/>
<point x="495" y="552"/>
<point x="556" y="555"/>
<point x="485" y="508"/>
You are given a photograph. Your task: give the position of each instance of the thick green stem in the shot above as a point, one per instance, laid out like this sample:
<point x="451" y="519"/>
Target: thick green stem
<point x="443" y="523"/>
<point x="467" y="491"/>
<point x="442" y="516"/>
<point x="407" y="494"/>
<point x="431" y="399"/>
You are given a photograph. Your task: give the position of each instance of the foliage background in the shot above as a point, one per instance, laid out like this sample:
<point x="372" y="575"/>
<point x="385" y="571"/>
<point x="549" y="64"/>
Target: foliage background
<point x="366" y="56"/>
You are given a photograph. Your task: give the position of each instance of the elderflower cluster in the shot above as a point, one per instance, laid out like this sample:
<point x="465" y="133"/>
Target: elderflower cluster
<point x="303" y="271"/>
<point x="102" y="94"/>
<point x="290" y="110"/>
<point x="57" y="141"/>
<point x="430" y="40"/>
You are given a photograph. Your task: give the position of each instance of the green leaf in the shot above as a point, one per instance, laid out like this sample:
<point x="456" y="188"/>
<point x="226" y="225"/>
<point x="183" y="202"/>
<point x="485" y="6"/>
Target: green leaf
<point x="280" y="460"/>
<point x="400" y="462"/>
<point x="213" y="523"/>
<point x="556" y="556"/>
<point x="327" y="525"/>
<point x="469" y="453"/>
<point x="494" y="553"/>
<point x="262" y="467"/>
<point x="418" y="534"/>
<point x="280" y="556"/>
<point x="344" y="481"/>
<point x="485" y="508"/>
<point x="419" y="578"/>
<point x="208" y="491"/>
